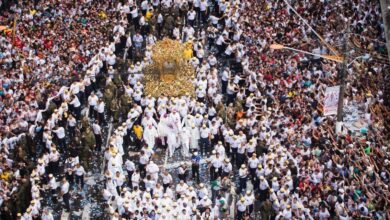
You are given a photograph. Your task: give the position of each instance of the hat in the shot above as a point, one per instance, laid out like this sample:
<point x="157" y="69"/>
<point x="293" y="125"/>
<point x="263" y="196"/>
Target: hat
<point x="242" y="199"/>
<point x="243" y="166"/>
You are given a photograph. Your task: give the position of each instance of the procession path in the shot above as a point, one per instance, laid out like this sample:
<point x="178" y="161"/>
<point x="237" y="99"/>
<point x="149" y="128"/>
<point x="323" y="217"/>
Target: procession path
<point x="87" y="203"/>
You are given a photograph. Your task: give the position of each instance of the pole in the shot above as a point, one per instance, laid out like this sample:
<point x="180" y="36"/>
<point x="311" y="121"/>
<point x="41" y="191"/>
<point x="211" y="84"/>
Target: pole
<point x="14" y="31"/>
<point x="342" y="75"/>
<point x="385" y="4"/>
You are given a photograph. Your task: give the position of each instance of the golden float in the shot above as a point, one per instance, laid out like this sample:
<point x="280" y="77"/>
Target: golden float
<point x="169" y="72"/>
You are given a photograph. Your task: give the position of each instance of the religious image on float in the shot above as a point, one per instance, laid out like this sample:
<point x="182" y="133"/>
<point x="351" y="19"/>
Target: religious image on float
<point x="169" y="73"/>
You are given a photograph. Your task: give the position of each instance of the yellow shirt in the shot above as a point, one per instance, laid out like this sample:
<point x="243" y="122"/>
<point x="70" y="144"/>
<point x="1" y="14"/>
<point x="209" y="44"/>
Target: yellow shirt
<point x="102" y="15"/>
<point x="188" y="54"/>
<point x="5" y="176"/>
<point x="148" y="15"/>
<point x="138" y="131"/>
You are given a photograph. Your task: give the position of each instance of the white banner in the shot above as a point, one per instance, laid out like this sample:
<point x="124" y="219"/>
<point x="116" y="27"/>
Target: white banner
<point x="331" y="100"/>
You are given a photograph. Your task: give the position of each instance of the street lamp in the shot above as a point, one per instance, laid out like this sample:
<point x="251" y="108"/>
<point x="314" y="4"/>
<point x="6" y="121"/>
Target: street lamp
<point x="364" y="57"/>
<point x="328" y="57"/>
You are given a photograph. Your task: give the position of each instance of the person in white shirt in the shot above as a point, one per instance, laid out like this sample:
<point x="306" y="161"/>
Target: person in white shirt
<point x="135" y="179"/>
<point x="65" y="193"/>
<point x="191" y="15"/>
<point x="54" y="158"/>
<point x="166" y="179"/>
<point x="119" y="180"/>
<point x="181" y="188"/>
<point x="138" y="40"/>
<point x="79" y="175"/>
<point x="53" y="187"/>
<point x="249" y="201"/>
<point x="60" y="132"/>
<point x="241" y="208"/>
<point x="152" y="169"/>
<point x="200" y="54"/>
<point x="46" y="215"/>
<point x="205" y="136"/>
<point x="100" y="111"/>
<point x="97" y="131"/>
<point x="203" y="11"/>
<point x="92" y="102"/>
<point x="323" y="213"/>
<point x="182" y="171"/>
<point x="71" y="126"/>
<point x="75" y="106"/>
<point x="111" y="58"/>
<point x="253" y="162"/>
<point x="243" y="175"/>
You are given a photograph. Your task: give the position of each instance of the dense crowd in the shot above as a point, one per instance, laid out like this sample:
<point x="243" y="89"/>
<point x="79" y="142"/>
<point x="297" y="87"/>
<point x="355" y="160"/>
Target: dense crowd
<point x="55" y="43"/>
<point x="256" y="115"/>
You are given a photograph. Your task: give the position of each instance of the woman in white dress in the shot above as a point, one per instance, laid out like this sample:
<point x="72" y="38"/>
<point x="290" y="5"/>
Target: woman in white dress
<point x="150" y="135"/>
<point x="194" y="137"/>
<point x="162" y="129"/>
<point x="173" y="142"/>
<point x="185" y="142"/>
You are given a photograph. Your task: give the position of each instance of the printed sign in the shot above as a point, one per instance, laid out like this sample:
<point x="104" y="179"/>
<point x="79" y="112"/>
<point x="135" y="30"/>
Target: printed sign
<point x="331" y="100"/>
